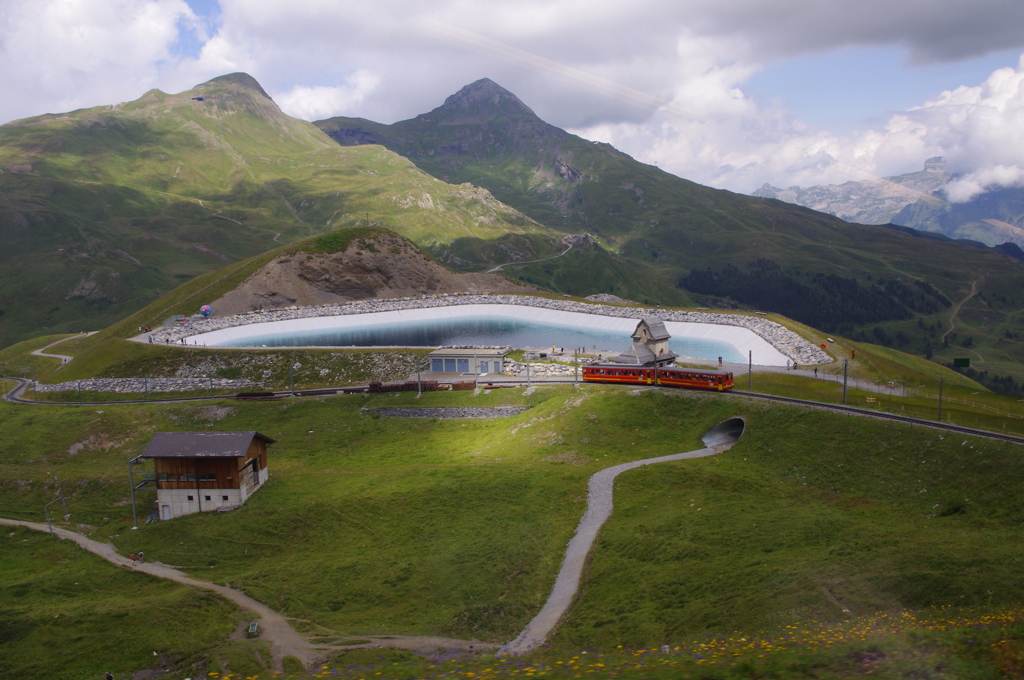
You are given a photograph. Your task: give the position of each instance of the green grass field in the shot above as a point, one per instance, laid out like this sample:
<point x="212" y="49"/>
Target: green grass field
<point x="66" y="613"/>
<point x="456" y="527"/>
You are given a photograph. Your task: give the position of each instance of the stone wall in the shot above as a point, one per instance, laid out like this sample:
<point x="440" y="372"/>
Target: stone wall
<point x="139" y="385"/>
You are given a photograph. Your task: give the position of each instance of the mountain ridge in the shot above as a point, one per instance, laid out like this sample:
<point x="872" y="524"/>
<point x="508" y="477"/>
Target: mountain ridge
<point x="105" y="208"/>
<point x="696" y="238"/>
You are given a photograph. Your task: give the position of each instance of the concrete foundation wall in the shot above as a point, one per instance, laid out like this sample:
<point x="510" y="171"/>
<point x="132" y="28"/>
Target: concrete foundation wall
<point x="175" y="502"/>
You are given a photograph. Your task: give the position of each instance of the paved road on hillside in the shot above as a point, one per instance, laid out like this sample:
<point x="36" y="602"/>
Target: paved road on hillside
<point x="64" y="358"/>
<point x="599" y="509"/>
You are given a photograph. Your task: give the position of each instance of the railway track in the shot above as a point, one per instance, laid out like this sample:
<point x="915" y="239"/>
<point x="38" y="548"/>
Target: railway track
<point x="853" y="410"/>
<point x="12" y="396"/>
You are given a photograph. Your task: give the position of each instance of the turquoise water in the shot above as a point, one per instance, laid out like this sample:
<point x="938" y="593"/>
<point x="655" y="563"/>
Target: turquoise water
<point x="481" y="330"/>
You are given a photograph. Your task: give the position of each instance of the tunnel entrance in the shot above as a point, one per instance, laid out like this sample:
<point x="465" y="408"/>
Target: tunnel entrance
<point x="726" y="433"/>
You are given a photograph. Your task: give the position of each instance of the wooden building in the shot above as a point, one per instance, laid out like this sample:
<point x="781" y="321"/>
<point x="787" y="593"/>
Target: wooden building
<point x="203" y="471"/>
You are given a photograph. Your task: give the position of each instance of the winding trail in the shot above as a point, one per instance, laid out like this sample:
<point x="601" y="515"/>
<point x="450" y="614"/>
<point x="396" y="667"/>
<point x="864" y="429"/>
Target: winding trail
<point x="64" y="358"/>
<point x="599" y="509"/>
<point x="283" y="639"/>
<point x="952" y="319"/>
<point x="273" y="627"/>
<point x="543" y="259"/>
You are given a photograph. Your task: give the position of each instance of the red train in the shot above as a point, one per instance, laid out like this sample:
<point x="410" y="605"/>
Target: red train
<point x="701" y="378"/>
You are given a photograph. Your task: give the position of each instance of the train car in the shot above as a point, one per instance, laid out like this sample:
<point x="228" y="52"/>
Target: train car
<point x="700" y="378"/>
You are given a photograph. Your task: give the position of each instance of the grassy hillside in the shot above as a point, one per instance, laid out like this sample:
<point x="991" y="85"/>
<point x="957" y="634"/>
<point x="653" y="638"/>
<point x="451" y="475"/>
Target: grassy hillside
<point x="374" y="525"/>
<point x="720" y="248"/>
<point x="102" y="210"/>
<point x="67" y="613"/>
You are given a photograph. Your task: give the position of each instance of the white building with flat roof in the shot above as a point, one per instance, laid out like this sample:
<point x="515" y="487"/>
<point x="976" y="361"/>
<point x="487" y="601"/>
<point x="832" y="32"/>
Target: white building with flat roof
<point x="475" y="360"/>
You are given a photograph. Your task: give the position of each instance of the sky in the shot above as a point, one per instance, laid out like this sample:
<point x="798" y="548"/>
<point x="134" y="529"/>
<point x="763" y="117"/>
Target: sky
<point x="729" y="93"/>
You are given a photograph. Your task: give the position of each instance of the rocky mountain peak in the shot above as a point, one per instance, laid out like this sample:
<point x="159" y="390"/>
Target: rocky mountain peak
<point x="243" y="79"/>
<point x="479" y="101"/>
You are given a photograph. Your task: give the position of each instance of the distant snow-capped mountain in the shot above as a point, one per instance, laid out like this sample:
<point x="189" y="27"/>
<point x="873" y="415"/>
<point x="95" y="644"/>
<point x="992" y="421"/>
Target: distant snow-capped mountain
<point x="875" y="201"/>
<point x="916" y="200"/>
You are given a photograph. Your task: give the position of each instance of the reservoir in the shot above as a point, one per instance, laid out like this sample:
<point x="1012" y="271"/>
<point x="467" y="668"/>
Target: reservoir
<point x="481" y="330"/>
<point x="494" y="325"/>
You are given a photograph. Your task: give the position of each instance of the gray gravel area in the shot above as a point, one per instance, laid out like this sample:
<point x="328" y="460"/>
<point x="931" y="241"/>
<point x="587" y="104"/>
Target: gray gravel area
<point x="442" y="413"/>
<point x="599" y="509"/>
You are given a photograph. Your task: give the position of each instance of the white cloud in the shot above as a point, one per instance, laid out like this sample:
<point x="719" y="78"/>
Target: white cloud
<point x="974" y="183"/>
<point x="57" y="55"/>
<point x="689" y="59"/>
<point x="314" y="103"/>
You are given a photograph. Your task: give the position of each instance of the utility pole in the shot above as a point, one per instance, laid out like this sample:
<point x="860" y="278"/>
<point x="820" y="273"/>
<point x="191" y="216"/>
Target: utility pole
<point x="940" y="399"/>
<point x="46" y="508"/>
<point x="292" y="374"/>
<point x="131" y="483"/>
<point x="846" y="370"/>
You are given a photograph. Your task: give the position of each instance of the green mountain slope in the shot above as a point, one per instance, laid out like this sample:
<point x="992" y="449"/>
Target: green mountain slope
<point x="869" y="282"/>
<point x="104" y="209"/>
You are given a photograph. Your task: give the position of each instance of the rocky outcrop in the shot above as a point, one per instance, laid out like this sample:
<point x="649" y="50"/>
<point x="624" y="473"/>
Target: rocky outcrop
<point x="388" y="266"/>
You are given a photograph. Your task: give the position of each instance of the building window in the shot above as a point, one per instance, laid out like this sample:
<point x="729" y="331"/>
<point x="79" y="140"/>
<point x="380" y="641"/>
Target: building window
<point x="207" y="477"/>
<point x="223" y="498"/>
<point x="463" y="365"/>
<point x="449" y="365"/>
<point x="187" y="478"/>
<point x="206" y="498"/>
<point x="437" y="365"/>
<point x="190" y="498"/>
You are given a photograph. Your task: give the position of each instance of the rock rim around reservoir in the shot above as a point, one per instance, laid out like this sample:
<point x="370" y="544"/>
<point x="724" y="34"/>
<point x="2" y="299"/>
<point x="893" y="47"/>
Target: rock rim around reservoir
<point x="785" y="341"/>
<point x="442" y="413"/>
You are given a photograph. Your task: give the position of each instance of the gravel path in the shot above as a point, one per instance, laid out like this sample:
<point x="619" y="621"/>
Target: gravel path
<point x="283" y="639"/>
<point x="599" y="508"/>
<point x="273" y="628"/>
<point x="444" y="412"/>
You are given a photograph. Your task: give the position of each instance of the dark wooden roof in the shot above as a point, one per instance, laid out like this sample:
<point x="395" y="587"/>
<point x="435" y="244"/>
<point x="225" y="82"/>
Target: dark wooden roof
<point x="202" y="444"/>
<point x="656" y="327"/>
<point x="641" y="355"/>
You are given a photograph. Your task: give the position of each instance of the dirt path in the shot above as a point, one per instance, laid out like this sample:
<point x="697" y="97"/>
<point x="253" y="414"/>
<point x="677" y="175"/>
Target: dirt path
<point x="599" y="509"/>
<point x="283" y="639"/>
<point x="952" y="319"/>
<point x="273" y="628"/>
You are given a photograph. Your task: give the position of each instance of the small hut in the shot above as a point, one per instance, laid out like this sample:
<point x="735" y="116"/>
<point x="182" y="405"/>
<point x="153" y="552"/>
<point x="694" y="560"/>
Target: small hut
<point x="650" y="345"/>
<point x="203" y="471"/>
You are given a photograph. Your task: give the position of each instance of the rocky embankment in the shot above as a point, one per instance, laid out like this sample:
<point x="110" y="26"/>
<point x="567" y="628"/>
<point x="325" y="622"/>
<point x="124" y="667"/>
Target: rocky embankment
<point x="517" y="369"/>
<point x="784" y="340"/>
<point x="141" y="385"/>
<point x="449" y="412"/>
